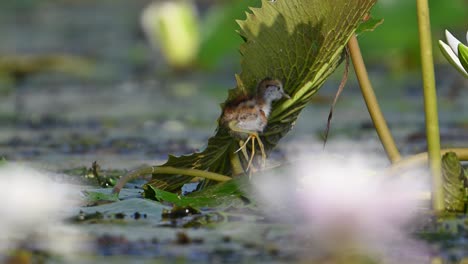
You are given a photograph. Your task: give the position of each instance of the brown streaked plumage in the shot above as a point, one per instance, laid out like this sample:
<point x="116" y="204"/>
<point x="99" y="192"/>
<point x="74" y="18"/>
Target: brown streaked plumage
<point x="247" y="116"/>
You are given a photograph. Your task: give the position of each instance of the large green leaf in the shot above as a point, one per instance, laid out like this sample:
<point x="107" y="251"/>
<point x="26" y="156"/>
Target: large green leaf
<point x="297" y="41"/>
<point x="454" y="183"/>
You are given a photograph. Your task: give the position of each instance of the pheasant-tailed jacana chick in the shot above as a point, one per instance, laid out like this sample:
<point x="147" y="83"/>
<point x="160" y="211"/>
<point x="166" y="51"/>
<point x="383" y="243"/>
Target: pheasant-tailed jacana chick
<point x="246" y="117"/>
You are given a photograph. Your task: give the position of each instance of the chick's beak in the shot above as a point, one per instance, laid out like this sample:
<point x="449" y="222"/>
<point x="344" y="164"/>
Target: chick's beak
<point x="286" y="95"/>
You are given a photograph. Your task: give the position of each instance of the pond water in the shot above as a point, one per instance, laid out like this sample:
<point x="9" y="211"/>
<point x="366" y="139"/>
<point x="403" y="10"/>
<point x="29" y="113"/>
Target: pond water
<point x="132" y="110"/>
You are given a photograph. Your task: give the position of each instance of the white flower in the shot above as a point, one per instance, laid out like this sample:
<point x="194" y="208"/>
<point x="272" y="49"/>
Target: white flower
<point x="32" y="205"/>
<point x="455" y="52"/>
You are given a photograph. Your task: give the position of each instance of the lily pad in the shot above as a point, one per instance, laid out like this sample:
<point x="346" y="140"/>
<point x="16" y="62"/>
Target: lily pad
<point x="224" y="195"/>
<point x="100" y="197"/>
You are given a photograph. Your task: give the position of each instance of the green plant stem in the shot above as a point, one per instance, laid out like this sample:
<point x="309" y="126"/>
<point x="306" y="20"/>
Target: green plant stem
<point x="371" y="101"/>
<point x="422" y="158"/>
<point x="236" y="164"/>
<point x="168" y="170"/>
<point x="430" y="105"/>
<point x="192" y="172"/>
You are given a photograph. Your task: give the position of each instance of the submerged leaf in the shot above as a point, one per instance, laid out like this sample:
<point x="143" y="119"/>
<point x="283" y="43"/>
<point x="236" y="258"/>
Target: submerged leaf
<point x="454" y="183"/>
<point x="299" y="42"/>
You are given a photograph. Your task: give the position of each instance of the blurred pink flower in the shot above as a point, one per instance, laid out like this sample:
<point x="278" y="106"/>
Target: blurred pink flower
<point x="345" y="203"/>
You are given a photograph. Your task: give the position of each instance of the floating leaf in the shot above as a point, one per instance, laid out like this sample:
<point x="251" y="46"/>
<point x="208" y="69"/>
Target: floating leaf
<point x="454" y="179"/>
<point x="94" y="198"/>
<point x="299" y="42"/>
<point x="220" y="196"/>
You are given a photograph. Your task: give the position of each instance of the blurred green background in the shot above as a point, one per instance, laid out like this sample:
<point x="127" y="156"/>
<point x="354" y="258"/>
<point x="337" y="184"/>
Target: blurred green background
<point x="110" y="31"/>
<point x="396" y="42"/>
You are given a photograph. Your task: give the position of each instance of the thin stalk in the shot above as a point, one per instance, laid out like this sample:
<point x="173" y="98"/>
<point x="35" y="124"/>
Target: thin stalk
<point x="192" y="172"/>
<point x="430" y="105"/>
<point x="422" y="158"/>
<point x="371" y="101"/>
<point x="168" y="170"/>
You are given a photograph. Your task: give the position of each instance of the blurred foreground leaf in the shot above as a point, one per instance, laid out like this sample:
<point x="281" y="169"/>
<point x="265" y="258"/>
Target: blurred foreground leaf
<point x="455" y="179"/>
<point x="297" y="41"/>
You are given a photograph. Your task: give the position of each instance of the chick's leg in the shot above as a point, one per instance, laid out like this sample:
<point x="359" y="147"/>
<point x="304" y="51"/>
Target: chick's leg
<point x="252" y="136"/>
<point x="242" y="145"/>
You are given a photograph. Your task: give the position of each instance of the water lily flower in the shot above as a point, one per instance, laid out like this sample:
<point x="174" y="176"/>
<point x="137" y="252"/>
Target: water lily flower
<point x="173" y="27"/>
<point x="345" y="205"/>
<point x="455" y="52"/>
